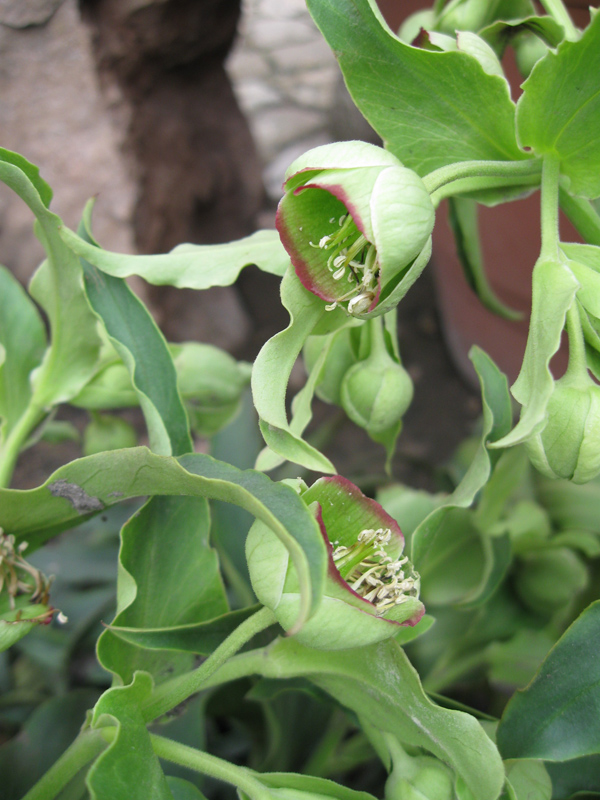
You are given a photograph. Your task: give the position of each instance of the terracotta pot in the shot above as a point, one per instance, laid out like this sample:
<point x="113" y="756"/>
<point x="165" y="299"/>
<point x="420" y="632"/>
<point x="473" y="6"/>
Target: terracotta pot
<point x="511" y="243"/>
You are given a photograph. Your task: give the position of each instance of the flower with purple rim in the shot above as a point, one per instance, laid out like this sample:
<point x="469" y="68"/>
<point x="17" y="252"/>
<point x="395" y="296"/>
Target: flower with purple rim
<point x="353" y="219"/>
<point x="371" y="587"/>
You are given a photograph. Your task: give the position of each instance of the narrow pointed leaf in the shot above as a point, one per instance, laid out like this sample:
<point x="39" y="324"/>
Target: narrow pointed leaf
<point x="145" y="353"/>
<point x="58" y="287"/>
<point x="23" y="341"/>
<point x="189" y="266"/>
<point x="463" y="220"/>
<point x="496" y="422"/>
<point x="271" y="373"/>
<point x="554" y="287"/>
<point x="200" y="638"/>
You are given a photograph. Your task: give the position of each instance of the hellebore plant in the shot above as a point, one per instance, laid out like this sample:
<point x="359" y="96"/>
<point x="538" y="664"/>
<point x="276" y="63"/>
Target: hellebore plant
<point x="371" y="586"/>
<point x="352" y="219"/>
<point x="335" y="678"/>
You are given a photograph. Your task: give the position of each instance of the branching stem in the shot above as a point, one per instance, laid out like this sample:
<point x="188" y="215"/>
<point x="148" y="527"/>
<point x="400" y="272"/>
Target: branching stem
<point x="510" y="170"/>
<point x="209" y="765"/>
<point x="176" y="691"/>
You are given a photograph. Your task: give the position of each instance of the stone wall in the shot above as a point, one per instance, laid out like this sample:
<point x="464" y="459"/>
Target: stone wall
<point x="288" y="83"/>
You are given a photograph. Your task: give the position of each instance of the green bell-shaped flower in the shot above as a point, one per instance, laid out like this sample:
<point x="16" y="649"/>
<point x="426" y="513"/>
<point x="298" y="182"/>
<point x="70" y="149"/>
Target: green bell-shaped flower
<point x="352" y="220"/>
<point x="569" y="444"/>
<point x="371" y="588"/>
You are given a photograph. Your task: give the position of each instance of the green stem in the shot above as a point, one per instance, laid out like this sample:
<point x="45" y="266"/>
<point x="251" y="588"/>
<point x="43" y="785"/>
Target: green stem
<point x="577" y="370"/>
<point x="558" y="12"/>
<point x="84" y="749"/>
<point x="252" y="662"/>
<point x="470" y="185"/>
<point x="549" y="210"/>
<point x="9" y="452"/>
<point x="480" y="169"/>
<point x="583" y="215"/>
<point x="209" y="765"/>
<point x="173" y="692"/>
<point x="378" y="347"/>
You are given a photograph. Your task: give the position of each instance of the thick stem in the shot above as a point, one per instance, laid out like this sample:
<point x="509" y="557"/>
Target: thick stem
<point x="481" y="169"/>
<point x="173" y="692"/>
<point x="208" y="765"/>
<point x="549" y="209"/>
<point x="84" y="749"/>
<point x="9" y="452"/>
<point x="471" y="185"/>
<point x="558" y="12"/>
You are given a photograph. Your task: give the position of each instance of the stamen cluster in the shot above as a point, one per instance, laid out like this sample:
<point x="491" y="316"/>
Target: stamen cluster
<point x="372" y="573"/>
<point x="355" y="258"/>
<point x="16" y="573"/>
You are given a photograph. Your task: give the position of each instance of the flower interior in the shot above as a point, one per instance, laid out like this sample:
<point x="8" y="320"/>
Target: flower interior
<point x="353" y="258"/>
<point x="366" y="548"/>
<point x="330" y="254"/>
<point x="373" y="574"/>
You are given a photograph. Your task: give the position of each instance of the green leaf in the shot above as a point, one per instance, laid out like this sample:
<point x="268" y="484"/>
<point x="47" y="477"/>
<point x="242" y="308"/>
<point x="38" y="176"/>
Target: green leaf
<point x="189" y="266"/>
<point x="128" y="769"/>
<point x="431" y="109"/>
<point x="379" y="684"/>
<point x="31" y="172"/>
<point x="496" y="421"/>
<point x="570" y="505"/>
<point x="107" y="432"/>
<point x="89" y="485"/>
<point x="463" y="221"/>
<point x="271" y="373"/>
<point x="57" y="287"/>
<point x="554" y="288"/>
<point x="578" y="775"/>
<point x="22" y="345"/>
<point x="559" y="111"/>
<point x="555" y="718"/>
<point x="200" y="638"/>
<point x="312" y="785"/>
<point x="501" y="33"/>
<point x="144" y="351"/>
<point x="528" y="780"/>
<point x="168" y="576"/>
<point x="183" y="790"/>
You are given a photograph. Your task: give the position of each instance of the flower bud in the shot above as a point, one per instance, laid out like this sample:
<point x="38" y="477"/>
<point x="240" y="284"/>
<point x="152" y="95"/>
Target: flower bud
<point x="352" y="220"/>
<point x="569" y="444"/>
<point x="107" y="432"/>
<point x="528" y="51"/>
<point x="548" y="580"/>
<point x="371" y="588"/>
<point x="375" y="395"/>
<point x="417" y="777"/>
